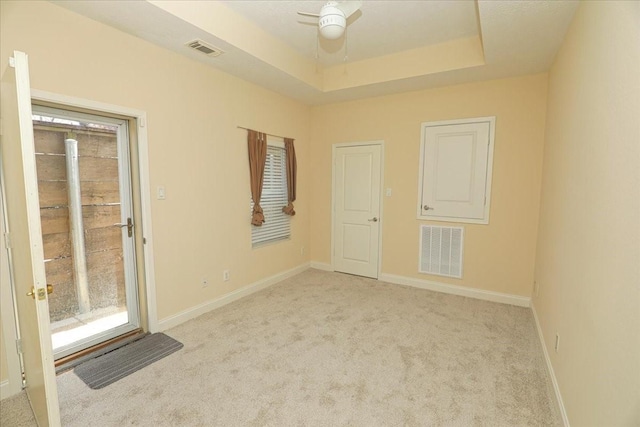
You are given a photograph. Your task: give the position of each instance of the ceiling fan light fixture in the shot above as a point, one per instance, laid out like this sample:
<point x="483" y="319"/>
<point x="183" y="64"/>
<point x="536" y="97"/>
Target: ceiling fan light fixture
<point x="332" y="22"/>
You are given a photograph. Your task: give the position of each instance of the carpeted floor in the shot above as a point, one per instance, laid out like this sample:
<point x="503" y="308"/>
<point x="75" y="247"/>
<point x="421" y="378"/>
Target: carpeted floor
<point x="327" y="349"/>
<point x="16" y="412"/>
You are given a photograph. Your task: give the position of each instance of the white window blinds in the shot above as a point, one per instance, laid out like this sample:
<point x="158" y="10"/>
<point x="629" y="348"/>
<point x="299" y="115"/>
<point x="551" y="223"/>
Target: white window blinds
<point x="277" y="225"/>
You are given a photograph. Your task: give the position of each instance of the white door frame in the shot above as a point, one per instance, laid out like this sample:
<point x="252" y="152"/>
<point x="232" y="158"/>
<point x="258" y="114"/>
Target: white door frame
<point x="10" y="331"/>
<point x="334" y="147"/>
<point x="128" y="244"/>
<point x="145" y="185"/>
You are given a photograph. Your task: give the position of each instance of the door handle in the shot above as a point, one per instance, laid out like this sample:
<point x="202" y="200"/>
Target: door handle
<point x="32" y="293"/>
<point x="374" y="219"/>
<point x="129" y="226"/>
<point x="427" y="208"/>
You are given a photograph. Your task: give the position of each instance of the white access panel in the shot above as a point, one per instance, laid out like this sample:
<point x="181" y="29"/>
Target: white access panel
<point x="455" y="170"/>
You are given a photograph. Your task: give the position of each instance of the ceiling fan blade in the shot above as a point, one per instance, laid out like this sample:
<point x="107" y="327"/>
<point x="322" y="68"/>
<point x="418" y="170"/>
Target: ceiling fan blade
<point x="349" y="7"/>
<point x="313" y="15"/>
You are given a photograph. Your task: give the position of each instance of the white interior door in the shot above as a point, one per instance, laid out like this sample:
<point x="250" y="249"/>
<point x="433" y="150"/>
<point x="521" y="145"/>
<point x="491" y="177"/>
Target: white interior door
<point x="18" y="161"/>
<point x="356" y="231"/>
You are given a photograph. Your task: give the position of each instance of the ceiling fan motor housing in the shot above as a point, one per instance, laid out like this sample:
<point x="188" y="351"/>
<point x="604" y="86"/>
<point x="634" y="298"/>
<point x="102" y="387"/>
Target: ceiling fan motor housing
<point x="332" y="21"/>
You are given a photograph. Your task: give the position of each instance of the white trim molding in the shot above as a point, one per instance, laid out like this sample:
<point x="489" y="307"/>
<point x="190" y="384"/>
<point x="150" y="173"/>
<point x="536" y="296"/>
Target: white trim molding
<point x="321" y="266"/>
<point x="13" y="383"/>
<point x="554" y="380"/>
<point x="5" y="390"/>
<point x="198" y="310"/>
<point x="517" y="300"/>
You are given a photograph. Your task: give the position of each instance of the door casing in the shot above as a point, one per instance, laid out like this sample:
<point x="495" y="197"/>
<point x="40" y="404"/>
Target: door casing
<point x="334" y="149"/>
<point x="130" y="247"/>
<point x="141" y="169"/>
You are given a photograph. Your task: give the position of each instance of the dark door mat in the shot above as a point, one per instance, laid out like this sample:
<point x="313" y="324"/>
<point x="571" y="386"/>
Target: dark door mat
<point x="64" y="367"/>
<point x="111" y="367"/>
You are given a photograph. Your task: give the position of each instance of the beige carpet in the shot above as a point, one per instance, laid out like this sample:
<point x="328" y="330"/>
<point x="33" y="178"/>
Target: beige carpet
<point x="16" y="412"/>
<point x="326" y="349"/>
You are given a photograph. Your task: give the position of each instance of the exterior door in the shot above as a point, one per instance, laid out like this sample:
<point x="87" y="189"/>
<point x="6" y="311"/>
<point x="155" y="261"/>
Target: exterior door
<point x="86" y="213"/>
<point x="19" y="170"/>
<point x="356" y="230"/>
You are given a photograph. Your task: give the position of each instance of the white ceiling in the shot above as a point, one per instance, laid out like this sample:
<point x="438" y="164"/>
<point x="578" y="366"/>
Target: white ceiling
<point x="379" y="28"/>
<point x="404" y="45"/>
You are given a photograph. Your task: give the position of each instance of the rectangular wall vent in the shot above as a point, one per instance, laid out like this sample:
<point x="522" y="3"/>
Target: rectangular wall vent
<point x="441" y="250"/>
<point x="205" y="48"/>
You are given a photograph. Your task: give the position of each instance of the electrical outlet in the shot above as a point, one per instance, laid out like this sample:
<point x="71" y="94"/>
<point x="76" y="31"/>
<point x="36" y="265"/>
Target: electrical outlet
<point x="557" y="342"/>
<point x="205" y="282"/>
<point x="226" y="275"/>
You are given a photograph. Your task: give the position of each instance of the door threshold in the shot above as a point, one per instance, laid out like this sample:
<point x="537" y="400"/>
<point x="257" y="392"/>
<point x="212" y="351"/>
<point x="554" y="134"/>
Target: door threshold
<point x="71" y="361"/>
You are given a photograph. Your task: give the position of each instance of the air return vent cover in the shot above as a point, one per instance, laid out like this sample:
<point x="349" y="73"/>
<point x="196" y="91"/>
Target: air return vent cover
<point x="441" y="250"/>
<point x="205" y="48"/>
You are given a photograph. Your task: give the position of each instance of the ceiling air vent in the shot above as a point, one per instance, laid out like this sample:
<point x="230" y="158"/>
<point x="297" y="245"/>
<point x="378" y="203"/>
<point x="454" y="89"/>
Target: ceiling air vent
<point x="205" y="48"/>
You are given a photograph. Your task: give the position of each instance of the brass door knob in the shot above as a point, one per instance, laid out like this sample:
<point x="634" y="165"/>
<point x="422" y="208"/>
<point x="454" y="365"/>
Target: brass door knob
<point x="40" y="292"/>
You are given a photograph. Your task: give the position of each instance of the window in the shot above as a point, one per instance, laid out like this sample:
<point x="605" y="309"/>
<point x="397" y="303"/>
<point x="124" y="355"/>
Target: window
<point x="455" y="170"/>
<point x="277" y="225"/>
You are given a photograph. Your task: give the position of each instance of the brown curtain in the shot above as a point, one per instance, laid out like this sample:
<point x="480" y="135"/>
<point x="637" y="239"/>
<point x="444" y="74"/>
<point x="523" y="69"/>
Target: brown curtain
<point x="257" y="143"/>
<point x="292" y="169"/>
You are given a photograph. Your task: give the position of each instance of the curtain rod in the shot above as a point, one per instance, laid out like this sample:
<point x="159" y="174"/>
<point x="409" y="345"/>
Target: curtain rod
<point x="270" y="134"/>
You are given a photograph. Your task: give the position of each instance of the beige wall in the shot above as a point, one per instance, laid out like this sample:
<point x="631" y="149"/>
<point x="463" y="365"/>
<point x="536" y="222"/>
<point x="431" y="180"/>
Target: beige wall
<point x="588" y="257"/>
<point x="499" y="256"/>
<point x="588" y="245"/>
<point x="195" y="149"/>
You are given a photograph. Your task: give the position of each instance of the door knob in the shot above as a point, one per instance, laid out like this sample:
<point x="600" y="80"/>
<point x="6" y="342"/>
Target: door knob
<point x="40" y="292"/>
<point x="426" y="207"/>
<point x="374" y="219"/>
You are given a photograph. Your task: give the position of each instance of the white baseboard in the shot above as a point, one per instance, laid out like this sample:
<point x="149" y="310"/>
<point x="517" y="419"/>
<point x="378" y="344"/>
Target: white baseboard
<point x="207" y="306"/>
<point x="554" y="380"/>
<point x="457" y="290"/>
<point x="6" y="390"/>
<point x="321" y="266"/>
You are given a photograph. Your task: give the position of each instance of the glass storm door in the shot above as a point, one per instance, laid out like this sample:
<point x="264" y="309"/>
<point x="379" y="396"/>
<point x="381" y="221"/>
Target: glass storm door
<point x="84" y="188"/>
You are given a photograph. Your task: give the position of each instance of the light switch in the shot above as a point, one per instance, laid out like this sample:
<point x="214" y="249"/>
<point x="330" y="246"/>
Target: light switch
<point x="161" y="193"/>
<point x="388" y="192"/>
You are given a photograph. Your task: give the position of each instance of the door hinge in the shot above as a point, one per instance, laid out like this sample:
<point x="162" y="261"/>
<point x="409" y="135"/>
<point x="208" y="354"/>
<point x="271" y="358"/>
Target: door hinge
<point x="7" y="240"/>
<point x="19" y="346"/>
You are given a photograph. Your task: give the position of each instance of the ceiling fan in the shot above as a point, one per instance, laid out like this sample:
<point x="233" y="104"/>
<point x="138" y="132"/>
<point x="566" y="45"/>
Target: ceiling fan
<point x="333" y="16"/>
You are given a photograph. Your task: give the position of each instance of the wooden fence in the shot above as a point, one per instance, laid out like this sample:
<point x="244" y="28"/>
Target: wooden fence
<point x="98" y="165"/>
